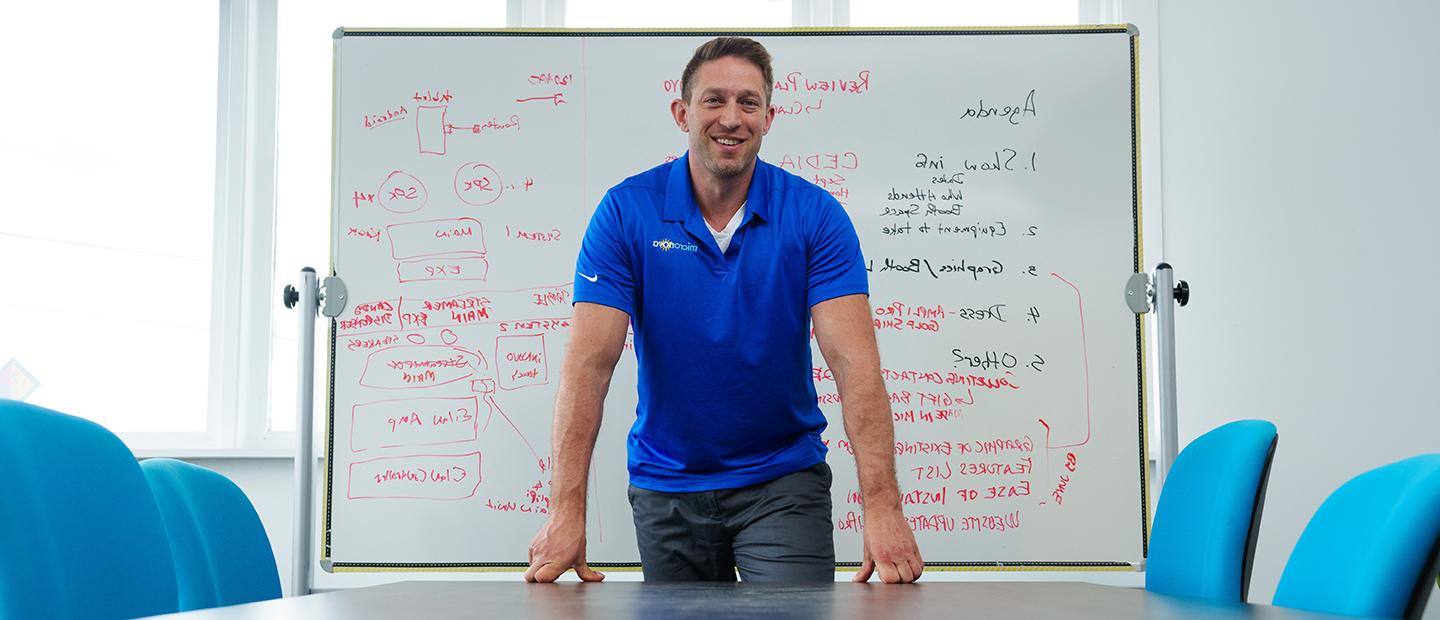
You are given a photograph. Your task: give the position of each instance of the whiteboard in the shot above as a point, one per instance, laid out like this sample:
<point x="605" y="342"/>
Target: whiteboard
<point x="990" y="174"/>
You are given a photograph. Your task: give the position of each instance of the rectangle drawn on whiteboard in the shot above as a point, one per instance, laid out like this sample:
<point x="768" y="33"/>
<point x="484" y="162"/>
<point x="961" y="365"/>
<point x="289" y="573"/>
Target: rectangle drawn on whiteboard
<point x="413" y="422"/>
<point x="521" y="361"/>
<point x="430" y="128"/>
<point x="464" y="235"/>
<point x="469" y="268"/>
<point x="424" y="476"/>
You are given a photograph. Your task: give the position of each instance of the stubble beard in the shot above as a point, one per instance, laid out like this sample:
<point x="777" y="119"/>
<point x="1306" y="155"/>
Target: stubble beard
<point x="726" y="168"/>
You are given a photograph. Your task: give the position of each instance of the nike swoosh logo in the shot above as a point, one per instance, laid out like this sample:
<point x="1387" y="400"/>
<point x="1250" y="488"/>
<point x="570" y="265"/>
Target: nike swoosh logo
<point x="594" y="278"/>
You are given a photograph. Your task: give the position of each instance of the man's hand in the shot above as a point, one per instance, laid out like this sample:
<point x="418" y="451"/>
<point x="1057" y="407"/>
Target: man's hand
<point x="890" y="547"/>
<point x="557" y="547"/>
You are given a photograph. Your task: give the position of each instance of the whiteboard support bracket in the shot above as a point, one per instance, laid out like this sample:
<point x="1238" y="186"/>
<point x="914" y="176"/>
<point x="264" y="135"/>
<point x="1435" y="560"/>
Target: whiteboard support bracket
<point x="313" y="299"/>
<point x="1162" y="297"/>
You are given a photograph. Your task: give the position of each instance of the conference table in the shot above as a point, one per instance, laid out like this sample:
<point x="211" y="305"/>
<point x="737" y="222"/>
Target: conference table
<point x="489" y="599"/>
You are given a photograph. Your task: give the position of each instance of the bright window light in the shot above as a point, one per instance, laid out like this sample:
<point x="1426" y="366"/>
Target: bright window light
<point x="108" y="160"/>
<point x="672" y="14"/>
<point x="961" y="13"/>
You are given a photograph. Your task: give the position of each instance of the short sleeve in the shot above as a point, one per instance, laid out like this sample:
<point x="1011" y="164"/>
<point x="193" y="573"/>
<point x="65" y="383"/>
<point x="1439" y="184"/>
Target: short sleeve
<point x="603" y="273"/>
<point x="835" y="266"/>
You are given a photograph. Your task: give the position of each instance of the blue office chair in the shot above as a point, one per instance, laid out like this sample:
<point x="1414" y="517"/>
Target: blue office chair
<point x="80" y="536"/>
<point x="222" y="555"/>
<point x="1202" y="543"/>
<point x="1373" y="547"/>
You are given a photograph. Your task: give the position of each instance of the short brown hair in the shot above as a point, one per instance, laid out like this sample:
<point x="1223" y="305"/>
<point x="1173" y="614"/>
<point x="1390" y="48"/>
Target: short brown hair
<point x="720" y="47"/>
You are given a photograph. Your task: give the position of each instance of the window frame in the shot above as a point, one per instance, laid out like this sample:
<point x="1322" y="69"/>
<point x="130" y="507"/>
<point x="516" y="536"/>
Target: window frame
<point x="243" y="237"/>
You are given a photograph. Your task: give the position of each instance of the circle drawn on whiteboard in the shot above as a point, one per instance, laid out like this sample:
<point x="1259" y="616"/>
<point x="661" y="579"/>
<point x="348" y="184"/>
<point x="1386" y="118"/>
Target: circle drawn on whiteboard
<point x="448" y="337"/>
<point x="415" y="339"/>
<point x="403" y="193"/>
<point x="478" y="184"/>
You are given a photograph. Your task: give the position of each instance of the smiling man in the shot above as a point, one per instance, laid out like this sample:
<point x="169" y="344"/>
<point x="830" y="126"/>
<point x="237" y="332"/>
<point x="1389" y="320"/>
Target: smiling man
<point x="721" y="263"/>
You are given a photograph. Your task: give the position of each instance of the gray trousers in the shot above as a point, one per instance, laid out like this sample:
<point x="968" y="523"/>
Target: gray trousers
<point x="778" y="531"/>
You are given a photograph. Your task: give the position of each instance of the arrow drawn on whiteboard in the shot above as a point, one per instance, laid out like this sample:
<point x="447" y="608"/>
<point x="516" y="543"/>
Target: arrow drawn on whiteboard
<point x="494" y="407"/>
<point x="1085" y="358"/>
<point x="485" y="386"/>
<point x="555" y="99"/>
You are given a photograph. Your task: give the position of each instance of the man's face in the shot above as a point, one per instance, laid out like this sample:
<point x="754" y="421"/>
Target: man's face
<point x="726" y="116"/>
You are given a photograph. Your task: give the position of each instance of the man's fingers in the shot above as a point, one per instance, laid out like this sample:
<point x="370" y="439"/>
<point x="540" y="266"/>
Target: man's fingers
<point x="917" y="566"/>
<point x="586" y="574"/>
<point x="906" y="574"/>
<point x="888" y="574"/>
<point x="866" y="569"/>
<point x="549" y="572"/>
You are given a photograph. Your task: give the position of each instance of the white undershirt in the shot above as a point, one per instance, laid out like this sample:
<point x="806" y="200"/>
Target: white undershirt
<point x="722" y="237"/>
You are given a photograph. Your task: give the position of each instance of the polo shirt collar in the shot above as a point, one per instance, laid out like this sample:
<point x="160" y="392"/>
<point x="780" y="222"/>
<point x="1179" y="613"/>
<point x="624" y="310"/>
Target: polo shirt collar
<point x="680" y="199"/>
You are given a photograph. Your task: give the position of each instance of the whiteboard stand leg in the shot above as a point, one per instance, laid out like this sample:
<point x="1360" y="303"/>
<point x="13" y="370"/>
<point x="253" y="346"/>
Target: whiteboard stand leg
<point x="313" y="300"/>
<point x="1165" y="342"/>
<point x="302" y="561"/>
<point x="1162" y="298"/>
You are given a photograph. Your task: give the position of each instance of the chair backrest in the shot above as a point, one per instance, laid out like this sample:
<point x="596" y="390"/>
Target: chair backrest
<point x="1202" y="543"/>
<point x="1372" y="548"/>
<point x="80" y="536"/>
<point x="222" y="555"/>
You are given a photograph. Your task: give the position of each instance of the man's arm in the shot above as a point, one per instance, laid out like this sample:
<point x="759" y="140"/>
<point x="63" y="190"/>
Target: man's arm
<point x="597" y="337"/>
<point x="846" y="334"/>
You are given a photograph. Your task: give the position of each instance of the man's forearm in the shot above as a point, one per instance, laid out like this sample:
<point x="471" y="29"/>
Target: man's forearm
<point x="871" y="429"/>
<point x="596" y="340"/>
<point x="578" y="411"/>
<point x="847" y="339"/>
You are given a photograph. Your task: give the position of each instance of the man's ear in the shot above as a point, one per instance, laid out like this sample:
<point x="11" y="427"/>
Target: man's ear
<point x="681" y="112"/>
<point x="769" y="118"/>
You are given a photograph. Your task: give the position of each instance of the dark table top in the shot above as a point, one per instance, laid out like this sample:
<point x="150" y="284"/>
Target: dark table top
<point x="489" y="599"/>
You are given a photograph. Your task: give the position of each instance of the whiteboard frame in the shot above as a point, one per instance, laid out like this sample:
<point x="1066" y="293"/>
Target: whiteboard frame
<point x="329" y="565"/>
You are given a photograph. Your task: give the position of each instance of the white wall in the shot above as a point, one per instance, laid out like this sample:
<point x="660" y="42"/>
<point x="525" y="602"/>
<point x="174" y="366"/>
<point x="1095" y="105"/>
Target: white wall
<point x="1300" y="144"/>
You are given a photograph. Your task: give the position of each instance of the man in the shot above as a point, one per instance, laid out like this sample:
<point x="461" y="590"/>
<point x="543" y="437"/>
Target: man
<point x="722" y="262"/>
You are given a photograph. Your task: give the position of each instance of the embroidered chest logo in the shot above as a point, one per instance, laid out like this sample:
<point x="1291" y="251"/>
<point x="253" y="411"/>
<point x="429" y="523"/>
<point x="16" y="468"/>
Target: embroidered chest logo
<point x="666" y="245"/>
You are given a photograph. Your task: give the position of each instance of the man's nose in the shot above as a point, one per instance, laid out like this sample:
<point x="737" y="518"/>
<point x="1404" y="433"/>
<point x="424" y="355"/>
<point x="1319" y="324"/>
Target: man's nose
<point x="730" y="116"/>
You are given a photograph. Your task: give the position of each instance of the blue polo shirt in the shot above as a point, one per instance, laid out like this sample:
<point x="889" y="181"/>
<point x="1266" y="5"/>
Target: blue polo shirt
<point x="726" y="391"/>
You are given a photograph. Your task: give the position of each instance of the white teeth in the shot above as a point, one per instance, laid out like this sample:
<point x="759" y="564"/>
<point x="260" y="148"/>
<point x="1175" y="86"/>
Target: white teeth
<point x="727" y="141"/>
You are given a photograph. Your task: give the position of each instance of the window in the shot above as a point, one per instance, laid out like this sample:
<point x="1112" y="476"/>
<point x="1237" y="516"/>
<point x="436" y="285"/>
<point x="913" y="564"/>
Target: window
<point x="108" y="153"/>
<point x="671" y="14"/>
<point x="921" y="13"/>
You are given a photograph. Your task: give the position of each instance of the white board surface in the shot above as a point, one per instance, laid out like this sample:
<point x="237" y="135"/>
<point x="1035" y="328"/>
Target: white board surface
<point x="991" y="177"/>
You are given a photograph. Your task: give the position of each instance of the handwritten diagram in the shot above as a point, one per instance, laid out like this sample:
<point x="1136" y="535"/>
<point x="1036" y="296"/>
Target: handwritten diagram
<point x="434" y="351"/>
